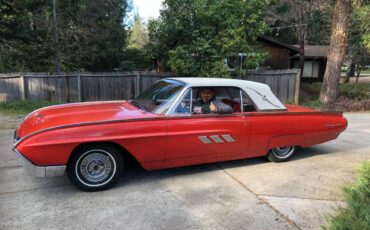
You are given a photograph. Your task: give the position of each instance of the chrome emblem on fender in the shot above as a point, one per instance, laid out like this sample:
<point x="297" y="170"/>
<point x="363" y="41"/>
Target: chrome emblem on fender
<point x="228" y="138"/>
<point x="216" y="139"/>
<point x="205" y="139"/>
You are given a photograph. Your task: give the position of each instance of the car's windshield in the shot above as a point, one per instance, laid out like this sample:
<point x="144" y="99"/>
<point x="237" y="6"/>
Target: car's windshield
<point x="159" y="97"/>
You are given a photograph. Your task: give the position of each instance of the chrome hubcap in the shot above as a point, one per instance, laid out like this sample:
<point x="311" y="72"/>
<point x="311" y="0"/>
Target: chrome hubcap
<point x="95" y="167"/>
<point x="283" y="152"/>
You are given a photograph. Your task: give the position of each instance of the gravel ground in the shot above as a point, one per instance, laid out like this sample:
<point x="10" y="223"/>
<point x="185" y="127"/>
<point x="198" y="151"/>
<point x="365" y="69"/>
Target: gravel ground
<point x="9" y="122"/>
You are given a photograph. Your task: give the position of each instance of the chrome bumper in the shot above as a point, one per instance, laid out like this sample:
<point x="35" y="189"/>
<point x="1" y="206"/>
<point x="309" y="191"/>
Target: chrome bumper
<point x="40" y="171"/>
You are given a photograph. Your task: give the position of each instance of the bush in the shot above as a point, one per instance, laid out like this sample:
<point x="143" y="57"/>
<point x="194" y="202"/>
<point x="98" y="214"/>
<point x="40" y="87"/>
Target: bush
<point x="357" y="213"/>
<point x="135" y="59"/>
<point x="22" y="107"/>
<point x="347" y="104"/>
<point x="352" y="97"/>
<point x="355" y="91"/>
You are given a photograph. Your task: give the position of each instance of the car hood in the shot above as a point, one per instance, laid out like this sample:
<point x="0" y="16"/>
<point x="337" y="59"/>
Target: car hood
<point x="79" y="113"/>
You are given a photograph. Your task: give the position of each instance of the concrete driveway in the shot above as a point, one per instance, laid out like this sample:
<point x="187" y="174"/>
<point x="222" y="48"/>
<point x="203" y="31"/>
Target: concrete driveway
<point x="244" y="194"/>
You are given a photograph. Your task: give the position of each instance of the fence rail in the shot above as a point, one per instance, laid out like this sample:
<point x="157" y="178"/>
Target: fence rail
<point x="76" y="87"/>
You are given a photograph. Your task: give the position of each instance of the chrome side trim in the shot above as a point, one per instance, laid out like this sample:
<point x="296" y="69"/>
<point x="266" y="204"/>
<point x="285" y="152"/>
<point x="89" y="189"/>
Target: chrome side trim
<point x="333" y="125"/>
<point x="241" y="100"/>
<point x="216" y="138"/>
<point x="228" y="138"/>
<point x="84" y="124"/>
<point x="205" y="139"/>
<point x="40" y="171"/>
<point x="15" y="138"/>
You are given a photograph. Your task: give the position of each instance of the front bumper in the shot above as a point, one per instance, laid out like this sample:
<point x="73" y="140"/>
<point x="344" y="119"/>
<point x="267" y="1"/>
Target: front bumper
<point x="40" y="171"/>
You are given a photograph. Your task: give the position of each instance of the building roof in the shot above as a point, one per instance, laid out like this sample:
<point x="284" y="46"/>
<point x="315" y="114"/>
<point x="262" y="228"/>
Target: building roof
<point x="314" y="51"/>
<point x="260" y="93"/>
<point x="267" y="39"/>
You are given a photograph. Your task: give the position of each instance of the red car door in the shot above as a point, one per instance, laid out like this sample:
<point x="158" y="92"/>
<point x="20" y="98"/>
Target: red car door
<point x="206" y="138"/>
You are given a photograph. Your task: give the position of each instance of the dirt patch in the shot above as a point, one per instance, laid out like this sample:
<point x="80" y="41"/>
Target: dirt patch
<point x="10" y="122"/>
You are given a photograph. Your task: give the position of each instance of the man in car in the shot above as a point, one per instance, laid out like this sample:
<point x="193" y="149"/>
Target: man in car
<point x="209" y="104"/>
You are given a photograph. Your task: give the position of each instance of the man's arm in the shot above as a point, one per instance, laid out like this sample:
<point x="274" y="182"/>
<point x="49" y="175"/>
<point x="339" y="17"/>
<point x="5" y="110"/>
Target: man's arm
<point x="222" y="107"/>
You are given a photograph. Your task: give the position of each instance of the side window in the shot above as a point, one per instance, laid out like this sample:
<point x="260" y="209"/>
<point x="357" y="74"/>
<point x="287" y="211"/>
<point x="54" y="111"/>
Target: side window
<point x="248" y="105"/>
<point x="226" y="99"/>
<point x="183" y="108"/>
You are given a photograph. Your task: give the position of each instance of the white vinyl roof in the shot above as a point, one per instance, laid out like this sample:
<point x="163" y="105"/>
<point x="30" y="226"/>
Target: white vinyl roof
<point x="260" y="93"/>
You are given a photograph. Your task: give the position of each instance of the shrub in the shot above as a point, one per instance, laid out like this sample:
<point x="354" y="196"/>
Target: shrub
<point x="360" y="91"/>
<point x="22" y="107"/>
<point x="352" y="97"/>
<point x="357" y="213"/>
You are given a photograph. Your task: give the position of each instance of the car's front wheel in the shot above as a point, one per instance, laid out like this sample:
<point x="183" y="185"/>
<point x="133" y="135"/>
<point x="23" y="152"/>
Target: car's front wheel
<point x="281" y="154"/>
<point x="95" y="167"/>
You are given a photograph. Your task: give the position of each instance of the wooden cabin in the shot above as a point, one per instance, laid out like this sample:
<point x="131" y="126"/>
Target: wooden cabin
<point x="280" y="53"/>
<point x="315" y="58"/>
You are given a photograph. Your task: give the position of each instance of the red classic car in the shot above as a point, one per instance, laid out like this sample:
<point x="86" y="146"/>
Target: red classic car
<point x="176" y="122"/>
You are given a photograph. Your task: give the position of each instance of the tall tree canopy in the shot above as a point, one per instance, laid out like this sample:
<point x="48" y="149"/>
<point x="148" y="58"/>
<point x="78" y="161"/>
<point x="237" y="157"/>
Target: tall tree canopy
<point x="358" y="52"/>
<point x="293" y="21"/>
<point x="139" y="34"/>
<point x="38" y="35"/>
<point x="24" y="38"/>
<point x="193" y="37"/>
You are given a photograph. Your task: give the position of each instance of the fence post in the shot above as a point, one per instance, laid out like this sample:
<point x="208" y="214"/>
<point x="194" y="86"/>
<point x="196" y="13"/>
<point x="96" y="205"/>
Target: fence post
<point x="137" y="86"/>
<point x="79" y="88"/>
<point x="23" y="88"/>
<point x="297" y="86"/>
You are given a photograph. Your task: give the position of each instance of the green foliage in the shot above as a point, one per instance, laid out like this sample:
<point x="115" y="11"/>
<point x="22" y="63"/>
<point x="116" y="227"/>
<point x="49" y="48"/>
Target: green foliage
<point x="285" y="16"/>
<point x="91" y="35"/>
<point x="139" y="35"/>
<point x="23" y="107"/>
<point x="310" y="92"/>
<point x="356" y="92"/>
<point x="193" y="37"/>
<point x="182" y="62"/>
<point x="96" y="37"/>
<point x="319" y="27"/>
<point x="362" y="17"/>
<point x="24" y="38"/>
<point x="359" y="33"/>
<point x="135" y="59"/>
<point x="357" y="213"/>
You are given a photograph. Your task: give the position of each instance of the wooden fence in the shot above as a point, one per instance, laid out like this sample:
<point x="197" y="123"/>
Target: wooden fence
<point x="76" y="87"/>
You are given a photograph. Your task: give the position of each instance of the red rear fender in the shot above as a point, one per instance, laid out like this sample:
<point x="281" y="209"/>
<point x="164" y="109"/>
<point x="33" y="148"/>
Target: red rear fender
<point x="286" y="140"/>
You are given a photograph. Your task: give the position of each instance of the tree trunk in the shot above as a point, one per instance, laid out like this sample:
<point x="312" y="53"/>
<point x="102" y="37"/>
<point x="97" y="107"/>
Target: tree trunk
<point x="58" y="67"/>
<point x="350" y="71"/>
<point x="358" y="72"/>
<point x="338" y="43"/>
<point x="301" y="56"/>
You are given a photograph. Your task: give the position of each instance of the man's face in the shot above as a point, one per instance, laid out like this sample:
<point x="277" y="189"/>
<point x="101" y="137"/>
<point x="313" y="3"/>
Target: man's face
<point x="206" y="95"/>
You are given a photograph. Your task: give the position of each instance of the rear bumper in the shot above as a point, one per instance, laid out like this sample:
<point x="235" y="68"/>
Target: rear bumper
<point x="40" y="171"/>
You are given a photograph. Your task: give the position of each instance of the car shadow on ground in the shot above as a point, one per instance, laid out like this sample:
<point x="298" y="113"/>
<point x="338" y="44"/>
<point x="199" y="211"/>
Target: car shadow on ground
<point x="134" y="174"/>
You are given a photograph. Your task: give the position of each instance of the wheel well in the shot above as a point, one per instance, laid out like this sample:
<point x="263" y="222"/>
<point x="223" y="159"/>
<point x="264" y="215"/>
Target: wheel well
<point x="129" y="159"/>
<point x="285" y="140"/>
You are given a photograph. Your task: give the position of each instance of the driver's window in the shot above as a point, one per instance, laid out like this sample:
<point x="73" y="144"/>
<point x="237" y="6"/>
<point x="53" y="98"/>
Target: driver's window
<point x="183" y="108"/>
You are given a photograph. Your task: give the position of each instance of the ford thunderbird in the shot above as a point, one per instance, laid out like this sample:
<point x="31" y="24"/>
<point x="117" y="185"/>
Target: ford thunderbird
<point x="176" y="122"/>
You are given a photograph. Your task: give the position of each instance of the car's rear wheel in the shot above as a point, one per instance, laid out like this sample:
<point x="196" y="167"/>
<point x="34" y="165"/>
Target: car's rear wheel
<point x="95" y="167"/>
<point x="281" y="154"/>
